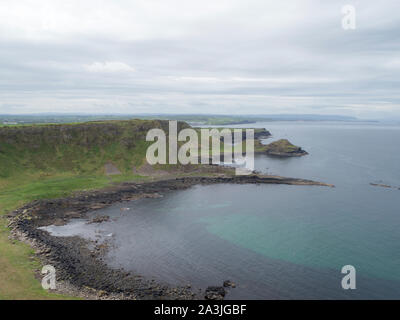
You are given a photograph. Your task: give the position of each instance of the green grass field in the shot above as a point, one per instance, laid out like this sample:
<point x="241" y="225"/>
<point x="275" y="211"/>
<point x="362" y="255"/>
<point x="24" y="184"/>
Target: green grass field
<point x="17" y="261"/>
<point x="50" y="161"/>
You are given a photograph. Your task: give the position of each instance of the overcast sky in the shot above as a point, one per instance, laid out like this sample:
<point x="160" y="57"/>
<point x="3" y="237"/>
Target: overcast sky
<point x="191" y="56"/>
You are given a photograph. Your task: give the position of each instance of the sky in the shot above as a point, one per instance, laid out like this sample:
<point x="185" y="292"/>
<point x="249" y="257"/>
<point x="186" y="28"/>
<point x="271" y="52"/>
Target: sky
<point x="209" y="56"/>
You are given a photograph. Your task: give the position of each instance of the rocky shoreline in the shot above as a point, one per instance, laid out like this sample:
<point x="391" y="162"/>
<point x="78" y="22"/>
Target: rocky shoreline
<point x="79" y="263"/>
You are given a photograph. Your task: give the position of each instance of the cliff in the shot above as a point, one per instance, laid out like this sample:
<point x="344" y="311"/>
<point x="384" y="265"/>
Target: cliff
<point x="81" y="148"/>
<point x="283" y="148"/>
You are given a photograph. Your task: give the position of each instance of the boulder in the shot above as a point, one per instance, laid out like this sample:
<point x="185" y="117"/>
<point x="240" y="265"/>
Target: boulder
<point x="215" y="293"/>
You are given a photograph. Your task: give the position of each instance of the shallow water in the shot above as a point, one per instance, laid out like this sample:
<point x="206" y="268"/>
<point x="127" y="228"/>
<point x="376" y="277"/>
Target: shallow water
<point x="275" y="241"/>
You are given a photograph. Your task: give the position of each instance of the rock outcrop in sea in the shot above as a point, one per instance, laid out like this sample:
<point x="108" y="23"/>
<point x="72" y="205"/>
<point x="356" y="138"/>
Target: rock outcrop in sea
<point x="283" y="148"/>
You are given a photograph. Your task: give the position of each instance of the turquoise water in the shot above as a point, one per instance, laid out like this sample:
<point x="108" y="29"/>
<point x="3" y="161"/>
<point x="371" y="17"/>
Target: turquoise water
<point x="277" y="241"/>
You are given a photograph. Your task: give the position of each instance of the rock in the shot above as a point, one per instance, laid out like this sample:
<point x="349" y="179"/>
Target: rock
<point x="261" y="134"/>
<point x="46" y="251"/>
<point x="73" y="257"/>
<point x="59" y="222"/>
<point x="99" y="219"/>
<point x="283" y="148"/>
<point x="383" y="185"/>
<point x="229" y="283"/>
<point x="73" y="215"/>
<point x="96" y="206"/>
<point x="102" y="293"/>
<point x="214" y="293"/>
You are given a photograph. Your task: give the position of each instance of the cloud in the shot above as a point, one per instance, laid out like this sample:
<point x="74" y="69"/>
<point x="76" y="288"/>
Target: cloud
<point x="227" y="56"/>
<point x="109" y="67"/>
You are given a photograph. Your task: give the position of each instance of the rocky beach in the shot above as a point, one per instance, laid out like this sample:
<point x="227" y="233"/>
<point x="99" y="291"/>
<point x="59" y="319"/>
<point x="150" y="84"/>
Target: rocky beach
<point x="79" y="262"/>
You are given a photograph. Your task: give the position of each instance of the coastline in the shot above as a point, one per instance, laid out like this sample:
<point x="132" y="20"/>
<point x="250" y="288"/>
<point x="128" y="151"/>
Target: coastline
<point x="81" y="267"/>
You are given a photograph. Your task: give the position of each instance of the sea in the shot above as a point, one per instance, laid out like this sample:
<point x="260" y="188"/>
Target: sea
<point x="275" y="241"/>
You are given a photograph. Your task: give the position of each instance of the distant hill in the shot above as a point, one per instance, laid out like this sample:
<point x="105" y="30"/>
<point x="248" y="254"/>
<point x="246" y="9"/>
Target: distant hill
<point x="195" y="119"/>
<point x="306" y="117"/>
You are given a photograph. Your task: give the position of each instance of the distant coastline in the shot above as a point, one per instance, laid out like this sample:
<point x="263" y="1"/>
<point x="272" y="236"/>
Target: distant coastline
<point x="193" y="119"/>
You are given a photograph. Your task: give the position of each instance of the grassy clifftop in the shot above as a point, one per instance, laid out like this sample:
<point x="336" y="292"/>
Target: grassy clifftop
<point x="284" y="148"/>
<point x="82" y="148"/>
<point x="50" y="161"/>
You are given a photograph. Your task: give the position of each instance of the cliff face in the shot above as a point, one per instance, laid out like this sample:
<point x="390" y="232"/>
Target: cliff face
<point x="89" y="134"/>
<point x="261" y="134"/>
<point x="78" y="148"/>
<point x="283" y="148"/>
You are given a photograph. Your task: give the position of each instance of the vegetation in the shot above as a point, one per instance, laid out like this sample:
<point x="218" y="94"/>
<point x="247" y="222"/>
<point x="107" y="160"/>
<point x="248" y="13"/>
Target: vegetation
<point x="13" y="120"/>
<point x="198" y="119"/>
<point x="282" y="145"/>
<point x="50" y="161"/>
<point x="284" y="148"/>
<point x="54" y="160"/>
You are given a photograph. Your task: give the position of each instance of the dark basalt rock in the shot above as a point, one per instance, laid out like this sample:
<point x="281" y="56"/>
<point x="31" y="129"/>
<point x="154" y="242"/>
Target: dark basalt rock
<point x="229" y="283"/>
<point x="261" y="134"/>
<point x="215" y="293"/>
<point x="99" y="219"/>
<point x="258" y="134"/>
<point x="83" y="267"/>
